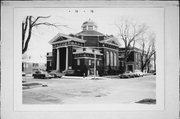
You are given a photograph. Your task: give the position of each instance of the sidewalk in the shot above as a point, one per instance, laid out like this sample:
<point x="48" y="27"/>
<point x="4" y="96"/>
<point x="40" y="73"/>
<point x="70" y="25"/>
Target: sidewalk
<point x="83" y="78"/>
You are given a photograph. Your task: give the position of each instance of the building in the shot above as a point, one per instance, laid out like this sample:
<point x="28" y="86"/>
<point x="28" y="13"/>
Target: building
<point x="30" y="65"/>
<point x="90" y="52"/>
<point x="133" y="60"/>
<point x="85" y="51"/>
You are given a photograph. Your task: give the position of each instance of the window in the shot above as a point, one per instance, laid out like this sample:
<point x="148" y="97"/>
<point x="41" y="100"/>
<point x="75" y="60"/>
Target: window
<point x="122" y="63"/>
<point x="115" y="60"/>
<point x="139" y="56"/>
<point x="50" y="63"/>
<point x="89" y="62"/>
<point x="136" y="56"/>
<point x="84" y="28"/>
<point x="90" y="28"/>
<point x="107" y="58"/>
<point x="78" y="61"/>
<point x="97" y="63"/>
<point x="35" y="65"/>
<point x="111" y="55"/>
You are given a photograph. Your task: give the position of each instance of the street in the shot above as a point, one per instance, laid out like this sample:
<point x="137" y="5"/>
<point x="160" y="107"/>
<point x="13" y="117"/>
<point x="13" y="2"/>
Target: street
<point x="75" y="90"/>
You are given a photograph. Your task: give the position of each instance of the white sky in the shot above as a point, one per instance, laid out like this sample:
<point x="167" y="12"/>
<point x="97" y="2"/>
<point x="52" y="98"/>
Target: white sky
<point x="104" y="17"/>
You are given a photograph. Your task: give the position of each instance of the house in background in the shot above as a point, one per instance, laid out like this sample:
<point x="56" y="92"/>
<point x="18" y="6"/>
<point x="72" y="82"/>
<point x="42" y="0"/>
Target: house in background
<point x="133" y="61"/>
<point x="30" y="65"/>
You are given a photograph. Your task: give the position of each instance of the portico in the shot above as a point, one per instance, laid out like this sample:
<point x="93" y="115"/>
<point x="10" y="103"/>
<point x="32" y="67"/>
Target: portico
<point x="63" y="46"/>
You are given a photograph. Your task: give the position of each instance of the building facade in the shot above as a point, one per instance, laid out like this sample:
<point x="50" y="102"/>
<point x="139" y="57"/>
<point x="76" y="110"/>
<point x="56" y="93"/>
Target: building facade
<point x="31" y="67"/>
<point x="133" y="60"/>
<point x="88" y="52"/>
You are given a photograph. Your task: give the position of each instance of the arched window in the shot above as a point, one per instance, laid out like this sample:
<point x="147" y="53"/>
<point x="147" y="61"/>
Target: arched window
<point x="115" y="59"/>
<point x="107" y="58"/>
<point x="111" y="55"/>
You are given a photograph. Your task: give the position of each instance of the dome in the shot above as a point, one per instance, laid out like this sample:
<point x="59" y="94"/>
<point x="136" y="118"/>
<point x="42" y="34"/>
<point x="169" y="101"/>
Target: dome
<point x="89" y="25"/>
<point x="89" y="22"/>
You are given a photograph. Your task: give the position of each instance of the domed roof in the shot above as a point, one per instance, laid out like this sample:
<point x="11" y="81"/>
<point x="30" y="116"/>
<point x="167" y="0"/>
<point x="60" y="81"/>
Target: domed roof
<point x="89" y="23"/>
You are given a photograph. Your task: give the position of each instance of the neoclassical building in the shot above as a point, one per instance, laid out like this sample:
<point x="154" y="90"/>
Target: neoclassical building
<point x="89" y="52"/>
<point x="84" y="52"/>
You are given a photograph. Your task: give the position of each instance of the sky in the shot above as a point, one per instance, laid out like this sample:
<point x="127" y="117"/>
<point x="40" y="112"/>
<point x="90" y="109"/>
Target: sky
<point x="105" y="18"/>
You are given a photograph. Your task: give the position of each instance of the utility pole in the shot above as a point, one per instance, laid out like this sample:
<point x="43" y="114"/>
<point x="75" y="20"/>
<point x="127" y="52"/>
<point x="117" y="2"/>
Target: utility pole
<point x="94" y="64"/>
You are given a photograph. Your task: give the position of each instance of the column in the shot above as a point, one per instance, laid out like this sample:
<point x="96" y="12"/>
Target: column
<point x="57" y="61"/>
<point x="66" y="58"/>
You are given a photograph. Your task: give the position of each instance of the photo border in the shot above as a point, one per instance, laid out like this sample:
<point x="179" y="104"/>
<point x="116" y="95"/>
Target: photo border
<point x="18" y="106"/>
<point x="15" y="50"/>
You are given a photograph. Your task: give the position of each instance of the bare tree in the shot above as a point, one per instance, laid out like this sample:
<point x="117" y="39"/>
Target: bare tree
<point x="129" y="32"/>
<point x="148" y="50"/>
<point x="28" y="24"/>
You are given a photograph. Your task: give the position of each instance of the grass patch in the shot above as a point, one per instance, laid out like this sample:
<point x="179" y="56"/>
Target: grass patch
<point x="147" y="101"/>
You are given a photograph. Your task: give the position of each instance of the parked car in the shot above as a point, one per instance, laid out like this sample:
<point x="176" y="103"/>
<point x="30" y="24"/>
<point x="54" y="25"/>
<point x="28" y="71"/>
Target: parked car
<point x="56" y="74"/>
<point x="23" y="74"/>
<point x="127" y="74"/>
<point x="42" y="75"/>
<point x="68" y="72"/>
<point x="138" y="73"/>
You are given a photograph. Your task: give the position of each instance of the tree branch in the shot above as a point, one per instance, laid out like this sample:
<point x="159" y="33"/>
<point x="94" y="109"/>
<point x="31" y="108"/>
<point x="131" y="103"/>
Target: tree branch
<point x="39" y="17"/>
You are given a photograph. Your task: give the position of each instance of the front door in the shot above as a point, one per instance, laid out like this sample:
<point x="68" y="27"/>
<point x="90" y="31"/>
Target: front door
<point x="130" y="68"/>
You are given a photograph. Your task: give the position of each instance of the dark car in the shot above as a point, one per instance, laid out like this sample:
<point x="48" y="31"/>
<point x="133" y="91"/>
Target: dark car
<point x="23" y="74"/>
<point x="56" y="74"/>
<point x="127" y="74"/>
<point x="154" y="73"/>
<point x="42" y="75"/>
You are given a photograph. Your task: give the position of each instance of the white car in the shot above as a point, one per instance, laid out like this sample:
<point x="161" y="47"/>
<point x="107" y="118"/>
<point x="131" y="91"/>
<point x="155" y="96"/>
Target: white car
<point x="138" y="73"/>
<point x="127" y="74"/>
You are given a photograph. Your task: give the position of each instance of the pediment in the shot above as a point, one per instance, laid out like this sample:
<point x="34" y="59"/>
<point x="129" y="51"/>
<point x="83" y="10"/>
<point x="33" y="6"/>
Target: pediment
<point x="60" y="38"/>
<point x="63" y="38"/>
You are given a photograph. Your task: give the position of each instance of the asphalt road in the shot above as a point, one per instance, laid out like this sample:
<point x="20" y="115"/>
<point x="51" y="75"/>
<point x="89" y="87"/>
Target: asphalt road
<point x="71" y="90"/>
